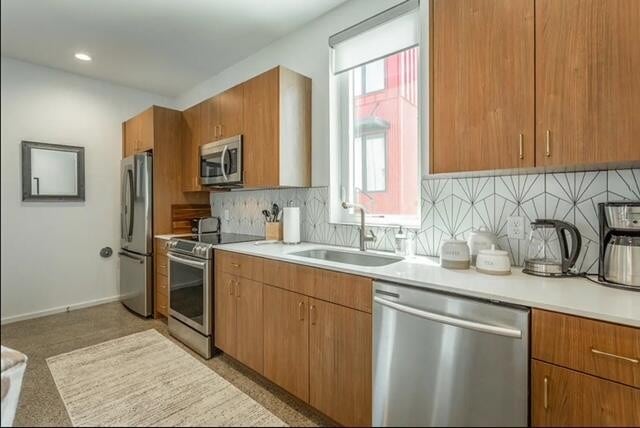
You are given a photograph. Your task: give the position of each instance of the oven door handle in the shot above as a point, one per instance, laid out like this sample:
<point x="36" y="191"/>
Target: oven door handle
<point x="188" y="262"/>
<point x="223" y="163"/>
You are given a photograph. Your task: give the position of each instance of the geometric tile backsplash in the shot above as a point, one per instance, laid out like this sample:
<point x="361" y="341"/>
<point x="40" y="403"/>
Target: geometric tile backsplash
<point x="453" y="207"/>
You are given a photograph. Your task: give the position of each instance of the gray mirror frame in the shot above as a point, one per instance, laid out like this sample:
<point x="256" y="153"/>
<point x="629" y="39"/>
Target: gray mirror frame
<point x="27" y="196"/>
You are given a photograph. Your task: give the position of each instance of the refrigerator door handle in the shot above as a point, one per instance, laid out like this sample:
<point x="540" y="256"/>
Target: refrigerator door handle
<point x="123" y="254"/>
<point x="456" y="322"/>
<point x="130" y="204"/>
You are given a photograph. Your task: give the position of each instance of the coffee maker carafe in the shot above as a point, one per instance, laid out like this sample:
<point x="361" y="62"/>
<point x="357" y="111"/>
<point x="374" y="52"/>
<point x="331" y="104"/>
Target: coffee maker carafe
<point x="619" y="257"/>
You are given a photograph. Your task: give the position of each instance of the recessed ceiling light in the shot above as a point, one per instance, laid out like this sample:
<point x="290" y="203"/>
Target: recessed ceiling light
<point x="83" y="56"/>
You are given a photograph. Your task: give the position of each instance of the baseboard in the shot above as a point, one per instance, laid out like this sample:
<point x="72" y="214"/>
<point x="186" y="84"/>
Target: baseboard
<point x="58" y="310"/>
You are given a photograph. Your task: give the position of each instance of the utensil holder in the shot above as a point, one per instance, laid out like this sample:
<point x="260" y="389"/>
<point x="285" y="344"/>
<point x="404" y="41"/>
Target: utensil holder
<point x="273" y="230"/>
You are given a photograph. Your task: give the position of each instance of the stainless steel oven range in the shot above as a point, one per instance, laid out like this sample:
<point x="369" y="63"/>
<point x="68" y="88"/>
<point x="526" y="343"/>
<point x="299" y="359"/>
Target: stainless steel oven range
<point x="191" y="287"/>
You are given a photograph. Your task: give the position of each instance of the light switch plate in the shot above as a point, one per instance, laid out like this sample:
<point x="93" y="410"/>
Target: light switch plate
<point x="515" y="228"/>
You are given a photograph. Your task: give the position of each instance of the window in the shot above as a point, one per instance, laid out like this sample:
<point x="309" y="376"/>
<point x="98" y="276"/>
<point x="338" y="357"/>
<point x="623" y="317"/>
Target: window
<point x="370" y="78"/>
<point x="370" y="158"/>
<point x="375" y="140"/>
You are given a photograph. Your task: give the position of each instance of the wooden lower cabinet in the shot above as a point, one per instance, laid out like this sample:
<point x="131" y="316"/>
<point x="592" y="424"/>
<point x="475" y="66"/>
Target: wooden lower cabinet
<point x="340" y="347"/>
<point x="249" y="320"/>
<point x="563" y="397"/>
<point x="225" y="312"/>
<point x="286" y="340"/>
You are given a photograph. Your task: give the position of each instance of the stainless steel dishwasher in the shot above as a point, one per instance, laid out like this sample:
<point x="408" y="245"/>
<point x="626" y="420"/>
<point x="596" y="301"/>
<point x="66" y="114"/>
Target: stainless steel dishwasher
<point x="447" y="360"/>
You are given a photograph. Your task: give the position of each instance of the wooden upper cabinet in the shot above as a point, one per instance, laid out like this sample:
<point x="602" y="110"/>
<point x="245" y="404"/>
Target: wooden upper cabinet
<point x="191" y="140"/>
<point x="562" y="397"/>
<point x="224" y="114"/>
<point x="138" y="133"/>
<point x="483" y="85"/>
<point x="587" y="81"/>
<point x="277" y="129"/>
<point x="230" y="111"/>
<point x="340" y="362"/>
<point x="286" y="340"/>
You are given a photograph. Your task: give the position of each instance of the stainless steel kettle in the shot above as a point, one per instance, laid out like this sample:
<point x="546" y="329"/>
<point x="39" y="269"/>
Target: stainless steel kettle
<point x="548" y="253"/>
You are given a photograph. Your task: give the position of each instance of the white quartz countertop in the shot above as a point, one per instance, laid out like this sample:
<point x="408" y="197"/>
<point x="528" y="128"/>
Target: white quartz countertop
<point x="577" y="296"/>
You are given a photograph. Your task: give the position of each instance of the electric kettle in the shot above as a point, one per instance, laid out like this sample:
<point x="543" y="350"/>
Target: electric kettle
<point x="548" y="253"/>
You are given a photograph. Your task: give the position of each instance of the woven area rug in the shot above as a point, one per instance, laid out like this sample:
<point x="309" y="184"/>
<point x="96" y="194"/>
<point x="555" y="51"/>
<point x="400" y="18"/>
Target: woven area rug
<point x="146" y="380"/>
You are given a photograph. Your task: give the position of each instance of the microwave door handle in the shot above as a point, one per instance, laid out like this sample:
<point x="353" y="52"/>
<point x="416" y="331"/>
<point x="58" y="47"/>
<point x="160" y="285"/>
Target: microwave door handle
<point x="223" y="163"/>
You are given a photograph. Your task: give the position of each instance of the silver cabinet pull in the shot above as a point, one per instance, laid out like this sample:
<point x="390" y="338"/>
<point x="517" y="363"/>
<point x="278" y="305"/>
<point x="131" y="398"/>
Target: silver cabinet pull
<point x="548" y="144"/>
<point x="521" y="146"/>
<point x="546" y="393"/>
<point x="456" y="322"/>
<point x="619" y="357"/>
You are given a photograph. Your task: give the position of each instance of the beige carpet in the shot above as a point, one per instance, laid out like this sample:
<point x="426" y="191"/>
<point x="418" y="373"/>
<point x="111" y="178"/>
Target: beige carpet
<point x="146" y="380"/>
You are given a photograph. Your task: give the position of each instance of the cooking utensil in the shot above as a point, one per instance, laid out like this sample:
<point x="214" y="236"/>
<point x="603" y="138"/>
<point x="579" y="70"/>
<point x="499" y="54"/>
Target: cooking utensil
<point x="267" y="215"/>
<point x="548" y="253"/>
<point x="275" y="210"/>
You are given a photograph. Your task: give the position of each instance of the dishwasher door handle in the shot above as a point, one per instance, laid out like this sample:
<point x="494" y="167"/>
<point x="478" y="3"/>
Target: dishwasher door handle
<point x="456" y="322"/>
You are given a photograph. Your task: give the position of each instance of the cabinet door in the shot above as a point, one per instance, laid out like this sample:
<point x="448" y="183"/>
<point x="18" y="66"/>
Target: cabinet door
<point x="225" y="312"/>
<point x="261" y="130"/>
<point x="286" y="340"/>
<point x="340" y="362"/>
<point x="145" y="124"/>
<point x="562" y="397"/>
<point x="249" y="329"/>
<point x="230" y="111"/>
<point x="130" y="134"/>
<point x="483" y="85"/>
<point x="212" y="124"/>
<point x="587" y="81"/>
<point x="191" y="141"/>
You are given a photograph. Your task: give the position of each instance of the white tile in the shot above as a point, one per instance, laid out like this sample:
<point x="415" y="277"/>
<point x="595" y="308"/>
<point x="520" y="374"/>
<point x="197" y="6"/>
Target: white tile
<point x="624" y="184"/>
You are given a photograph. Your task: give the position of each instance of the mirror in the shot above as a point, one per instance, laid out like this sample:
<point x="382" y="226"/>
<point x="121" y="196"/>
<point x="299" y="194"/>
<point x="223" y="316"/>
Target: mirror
<point x="52" y="172"/>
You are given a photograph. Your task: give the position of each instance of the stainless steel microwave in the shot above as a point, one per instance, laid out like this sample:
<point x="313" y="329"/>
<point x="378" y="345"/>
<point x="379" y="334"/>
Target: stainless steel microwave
<point x="221" y="163"/>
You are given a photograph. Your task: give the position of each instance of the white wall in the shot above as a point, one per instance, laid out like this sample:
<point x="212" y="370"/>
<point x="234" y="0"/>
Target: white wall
<point x="50" y="251"/>
<point x="307" y="52"/>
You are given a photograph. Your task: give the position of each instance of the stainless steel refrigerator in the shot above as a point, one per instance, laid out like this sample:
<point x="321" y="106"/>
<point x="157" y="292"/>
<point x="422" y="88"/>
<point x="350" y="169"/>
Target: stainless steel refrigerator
<point x="136" y="237"/>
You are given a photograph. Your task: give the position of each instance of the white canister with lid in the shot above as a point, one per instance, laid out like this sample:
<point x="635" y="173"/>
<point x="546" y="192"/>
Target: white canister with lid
<point x="493" y="262"/>
<point x="480" y="239"/>
<point x="454" y="254"/>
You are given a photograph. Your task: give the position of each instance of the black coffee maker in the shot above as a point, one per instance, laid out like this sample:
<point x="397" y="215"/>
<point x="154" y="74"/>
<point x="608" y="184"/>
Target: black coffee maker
<point x="619" y="255"/>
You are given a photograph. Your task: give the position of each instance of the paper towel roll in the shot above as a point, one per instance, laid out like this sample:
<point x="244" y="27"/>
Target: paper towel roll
<point x="291" y="220"/>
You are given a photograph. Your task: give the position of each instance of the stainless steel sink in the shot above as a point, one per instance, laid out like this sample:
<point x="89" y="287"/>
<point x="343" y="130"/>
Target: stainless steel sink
<point x="349" y="257"/>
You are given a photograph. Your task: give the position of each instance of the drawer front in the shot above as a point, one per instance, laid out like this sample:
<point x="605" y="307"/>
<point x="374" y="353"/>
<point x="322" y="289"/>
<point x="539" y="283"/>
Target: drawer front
<point x="162" y="263"/>
<point x="162" y="284"/>
<point x="237" y="264"/>
<point x="563" y="397"/>
<point x="162" y="304"/>
<point x="344" y="289"/>
<point x="161" y="246"/>
<point x="606" y="350"/>
<point x="348" y="290"/>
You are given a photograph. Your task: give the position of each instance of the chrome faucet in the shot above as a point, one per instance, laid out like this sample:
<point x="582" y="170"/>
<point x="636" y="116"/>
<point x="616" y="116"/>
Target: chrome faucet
<point x="364" y="238"/>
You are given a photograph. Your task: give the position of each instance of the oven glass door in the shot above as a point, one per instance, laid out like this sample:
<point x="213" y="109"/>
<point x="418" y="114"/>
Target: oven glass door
<point x="189" y="291"/>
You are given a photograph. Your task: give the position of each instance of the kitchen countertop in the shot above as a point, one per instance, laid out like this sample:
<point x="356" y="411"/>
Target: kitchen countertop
<point x="169" y="236"/>
<point x="576" y="296"/>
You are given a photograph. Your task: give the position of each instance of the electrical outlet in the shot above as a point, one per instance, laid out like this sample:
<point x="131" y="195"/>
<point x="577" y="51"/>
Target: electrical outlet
<point x="226" y="215"/>
<point x="515" y="228"/>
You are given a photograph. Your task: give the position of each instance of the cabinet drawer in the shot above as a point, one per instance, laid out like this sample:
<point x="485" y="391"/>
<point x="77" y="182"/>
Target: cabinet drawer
<point x="237" y="264"/>
<point x="162" y="284"/>
<point x="563" y="397"/>
<point x="161" y="247"/>
<point x="606" y="350"/>
<point x="162" y="304"/>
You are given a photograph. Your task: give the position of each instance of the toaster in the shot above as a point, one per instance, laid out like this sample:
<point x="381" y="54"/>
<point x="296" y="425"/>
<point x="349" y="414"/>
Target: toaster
<point x="205" y="225"/>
